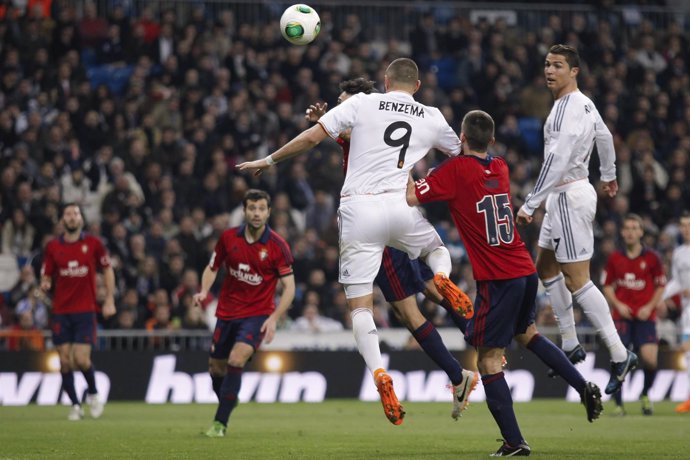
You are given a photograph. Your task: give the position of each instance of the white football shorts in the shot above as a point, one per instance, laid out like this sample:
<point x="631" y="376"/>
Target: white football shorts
<point x="567" y="227"/>
<point x="369" y="223"/>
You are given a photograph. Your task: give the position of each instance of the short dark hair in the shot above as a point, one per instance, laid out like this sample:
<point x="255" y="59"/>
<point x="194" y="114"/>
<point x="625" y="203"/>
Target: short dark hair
<point x="69" y="205"/>
<point x="357" y="85"/>
<point x="685" y="214"/>
<point x="572" y="57"/>
<point x="254" y="194"/>
<point x="478" y="128"/>
<point x="403" y="70"/>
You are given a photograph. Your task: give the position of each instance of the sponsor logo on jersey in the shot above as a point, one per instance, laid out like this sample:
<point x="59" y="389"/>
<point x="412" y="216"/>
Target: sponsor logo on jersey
<point x="242" y="274"/>
<point x="629" y="281"/>
<point x="74" y="270"/>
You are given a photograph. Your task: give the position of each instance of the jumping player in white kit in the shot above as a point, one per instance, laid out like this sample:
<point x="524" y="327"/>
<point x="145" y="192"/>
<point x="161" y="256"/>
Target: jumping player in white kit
<point x="680" y="285"/>
<point x="389" y="133"/>
<point x="566" y="239"/>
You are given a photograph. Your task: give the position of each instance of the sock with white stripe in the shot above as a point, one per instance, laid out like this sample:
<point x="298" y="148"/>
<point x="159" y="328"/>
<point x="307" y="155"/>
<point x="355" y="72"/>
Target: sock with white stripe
<point x="596" y="309"/>
<point x="438" y="261"/>
<point x="367" y="338"/>
<point x="562" y="305"/>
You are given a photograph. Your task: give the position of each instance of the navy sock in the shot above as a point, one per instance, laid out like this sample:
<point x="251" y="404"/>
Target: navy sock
<point x="618" y="397"/>
<point x="649" y="376"/>
<point x="500" y="403"/>
<point x="217" y="382"/>
<point x="68" y="387"/>
<point x="459" y="321"/>
<point x="554" y="357"/>
<point x="90" y="376"/>
<point x="228" y="394"/>
<point x="430" y="341"/>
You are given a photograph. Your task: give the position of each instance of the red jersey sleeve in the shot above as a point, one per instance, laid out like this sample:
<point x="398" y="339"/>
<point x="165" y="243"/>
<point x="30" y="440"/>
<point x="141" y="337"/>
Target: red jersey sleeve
<point x="102" y="257"/>
<point x="658" y="273"/>
<point x="218" y="255"/>
<point x="440" y="185"/>
<point x="284" y="260"/>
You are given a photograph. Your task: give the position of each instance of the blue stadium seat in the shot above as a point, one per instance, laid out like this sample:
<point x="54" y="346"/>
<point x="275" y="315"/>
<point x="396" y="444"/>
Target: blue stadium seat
<point x="532" y="134"/>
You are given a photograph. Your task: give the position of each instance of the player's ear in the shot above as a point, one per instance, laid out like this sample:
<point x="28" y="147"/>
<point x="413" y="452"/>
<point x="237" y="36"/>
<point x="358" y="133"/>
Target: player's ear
<point x="574" y="71"/>
<point x="416" y="86"/>
<point x="492" y="141"/>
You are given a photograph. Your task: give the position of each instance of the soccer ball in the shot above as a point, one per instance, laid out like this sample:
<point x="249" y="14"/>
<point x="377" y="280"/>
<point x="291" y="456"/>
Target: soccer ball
<point x="300" y="24"/>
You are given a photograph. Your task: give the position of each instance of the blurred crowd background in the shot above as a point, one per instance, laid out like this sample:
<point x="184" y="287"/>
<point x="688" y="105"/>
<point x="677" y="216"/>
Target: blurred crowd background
<point x="139" y="111"/>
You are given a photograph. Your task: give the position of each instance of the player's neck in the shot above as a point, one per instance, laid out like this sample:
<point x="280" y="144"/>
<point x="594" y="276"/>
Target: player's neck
<point x="570" y="88"/>
<point x="634" y="250"/>
<point x="252" y="235"/>
<point x="71" y="237"/>
<point x="480" y="155"/>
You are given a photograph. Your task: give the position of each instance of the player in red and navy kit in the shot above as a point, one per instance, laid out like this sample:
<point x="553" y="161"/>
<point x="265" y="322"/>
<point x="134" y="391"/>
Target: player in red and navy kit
<point x="634" y="282"/>
<point x="401" y="279"/>
<point x="255" y="258"/>
<point x="70" y="263"/>
<point x="476" y="187"/>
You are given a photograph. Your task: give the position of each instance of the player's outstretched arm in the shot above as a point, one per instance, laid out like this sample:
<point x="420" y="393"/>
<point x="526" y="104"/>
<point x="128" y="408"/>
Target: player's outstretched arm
<point x="286" y="298"/>
<point x="305" y="141"/>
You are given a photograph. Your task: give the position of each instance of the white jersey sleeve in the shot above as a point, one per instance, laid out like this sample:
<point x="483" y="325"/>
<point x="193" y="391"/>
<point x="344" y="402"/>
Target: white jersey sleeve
<point x="448" y="142"/>
<point x="342" y="116"/>
<point x="607" y="154"/>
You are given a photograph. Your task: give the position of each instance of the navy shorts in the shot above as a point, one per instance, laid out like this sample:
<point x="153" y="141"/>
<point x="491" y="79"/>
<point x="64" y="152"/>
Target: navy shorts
<point x="636" y="333"/>
<point x="502" y="310"/>
<point x="399" y="276"/>
<point x="74" y="328"/>
<point x="228" y="332"/>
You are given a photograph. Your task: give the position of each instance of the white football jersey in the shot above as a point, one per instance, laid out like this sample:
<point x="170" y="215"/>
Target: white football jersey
<point x="390" y="133"/>
<point x="570" y="132"/>
<point x="680" y="280"/>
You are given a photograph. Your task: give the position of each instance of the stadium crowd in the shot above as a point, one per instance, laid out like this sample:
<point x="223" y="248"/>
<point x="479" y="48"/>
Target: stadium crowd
<point x="141" y="116"/>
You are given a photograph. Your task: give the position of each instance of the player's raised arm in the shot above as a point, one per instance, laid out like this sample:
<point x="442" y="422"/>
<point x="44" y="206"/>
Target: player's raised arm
<point x="304" y="142"/>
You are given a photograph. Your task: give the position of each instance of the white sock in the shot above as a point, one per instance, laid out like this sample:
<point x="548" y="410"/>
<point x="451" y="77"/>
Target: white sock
<point x="562" y="304"/>
<point x="438" y="261"/>
<point x="367" y="337"/>
<point x="687" y="364"/>
<point x="596" y="309"/>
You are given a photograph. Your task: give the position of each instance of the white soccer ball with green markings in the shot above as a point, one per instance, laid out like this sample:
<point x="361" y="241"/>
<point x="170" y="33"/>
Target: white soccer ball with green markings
<point x="300" y="24"/>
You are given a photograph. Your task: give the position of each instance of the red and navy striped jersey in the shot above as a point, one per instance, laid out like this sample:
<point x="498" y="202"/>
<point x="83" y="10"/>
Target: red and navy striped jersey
<point x="73" y="266"/>
<point x="252" y="270"/>
<point x="634" y="280"/>
<point x="478" y="195"/>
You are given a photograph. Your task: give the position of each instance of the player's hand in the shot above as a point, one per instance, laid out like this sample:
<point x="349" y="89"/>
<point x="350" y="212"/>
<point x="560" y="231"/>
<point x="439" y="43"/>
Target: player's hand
<point x="522" y="217"/>
<point x="199" y="298"/>
<point x="645" y="312"/>
<point x="108" y="307"/>
<point x="611" y="187"/>
<point x="624" y="310"/>
<point x="257" y="166"/>
<point x="316" y="111"/>
<point x="46" y="284"/>
<point x="269" y="329"/>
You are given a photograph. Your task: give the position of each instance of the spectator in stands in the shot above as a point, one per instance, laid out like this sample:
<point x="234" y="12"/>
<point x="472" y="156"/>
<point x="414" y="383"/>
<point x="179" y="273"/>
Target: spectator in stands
<point x="313" y="322"/>
<point x="18" y="235"/>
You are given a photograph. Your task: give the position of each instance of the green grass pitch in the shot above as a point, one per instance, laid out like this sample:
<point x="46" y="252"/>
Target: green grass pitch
<point x="337" y="429"/>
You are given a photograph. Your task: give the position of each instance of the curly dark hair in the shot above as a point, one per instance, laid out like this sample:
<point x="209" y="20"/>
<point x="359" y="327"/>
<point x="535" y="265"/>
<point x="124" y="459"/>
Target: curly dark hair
<point x="357" y="85"/>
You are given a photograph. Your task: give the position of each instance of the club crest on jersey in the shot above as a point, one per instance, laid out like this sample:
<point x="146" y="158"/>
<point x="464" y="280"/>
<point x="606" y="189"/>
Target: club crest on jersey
<point x="643" y="265"/>
<point x="84" y="248"/>
<point x="263" y="254"/>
